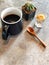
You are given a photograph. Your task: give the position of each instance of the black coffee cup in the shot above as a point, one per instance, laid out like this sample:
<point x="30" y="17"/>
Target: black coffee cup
<point x="11" y="28"/>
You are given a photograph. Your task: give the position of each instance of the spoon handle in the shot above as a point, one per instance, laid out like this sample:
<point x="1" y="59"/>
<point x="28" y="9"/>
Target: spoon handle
<point x="0" y="29"/>
<point x="41" y="41"/>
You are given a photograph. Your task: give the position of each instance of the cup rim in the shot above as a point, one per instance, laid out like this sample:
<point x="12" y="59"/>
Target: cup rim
<point x="11" y="8"/>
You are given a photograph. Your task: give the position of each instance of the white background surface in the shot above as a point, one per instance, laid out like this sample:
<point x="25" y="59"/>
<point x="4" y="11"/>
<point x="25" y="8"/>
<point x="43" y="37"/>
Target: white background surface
<point x="24" y="49"/>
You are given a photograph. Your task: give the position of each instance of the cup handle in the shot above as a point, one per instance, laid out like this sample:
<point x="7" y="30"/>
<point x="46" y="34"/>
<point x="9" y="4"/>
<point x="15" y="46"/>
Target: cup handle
<point x="5" y="33"/>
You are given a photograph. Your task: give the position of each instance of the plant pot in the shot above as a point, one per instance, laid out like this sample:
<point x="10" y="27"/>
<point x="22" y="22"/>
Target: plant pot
<point x="28" y="15"/>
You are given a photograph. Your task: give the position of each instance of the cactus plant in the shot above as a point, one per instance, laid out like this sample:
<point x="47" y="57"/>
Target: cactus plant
<point x="29" y="7"/>
<point x="28" y="11"/>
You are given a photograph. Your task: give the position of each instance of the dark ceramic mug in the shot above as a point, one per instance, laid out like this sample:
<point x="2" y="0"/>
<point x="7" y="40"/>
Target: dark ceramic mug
<point x="12" y="28"/>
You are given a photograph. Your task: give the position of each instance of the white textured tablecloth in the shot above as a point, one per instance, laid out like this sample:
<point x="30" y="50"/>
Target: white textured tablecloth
<point x="24" y="49"/>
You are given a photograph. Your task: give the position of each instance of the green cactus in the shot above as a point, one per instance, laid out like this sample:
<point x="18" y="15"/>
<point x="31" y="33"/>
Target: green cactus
<point x="29" y="7"/>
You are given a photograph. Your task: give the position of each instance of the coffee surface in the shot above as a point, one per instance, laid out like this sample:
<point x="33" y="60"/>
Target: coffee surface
<point x="11" y="18"/>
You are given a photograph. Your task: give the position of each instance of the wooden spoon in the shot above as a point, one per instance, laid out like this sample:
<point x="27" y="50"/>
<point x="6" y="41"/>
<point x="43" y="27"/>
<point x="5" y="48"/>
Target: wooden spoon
<point x="31" y="31"/>
<point x="0" y="29"/>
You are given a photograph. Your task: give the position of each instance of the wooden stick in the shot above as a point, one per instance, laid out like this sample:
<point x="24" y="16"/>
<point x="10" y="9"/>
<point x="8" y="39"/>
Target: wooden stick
<point x="0" y="29"/>
<point x="41" y="41"/>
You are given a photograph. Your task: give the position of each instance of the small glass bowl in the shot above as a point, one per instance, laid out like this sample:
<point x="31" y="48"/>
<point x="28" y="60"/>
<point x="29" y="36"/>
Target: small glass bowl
<point x="40" y="18"/>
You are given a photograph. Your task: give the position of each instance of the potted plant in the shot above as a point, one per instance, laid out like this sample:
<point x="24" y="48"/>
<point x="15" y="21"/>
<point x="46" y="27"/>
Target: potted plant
<point x="28" y="11"/>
